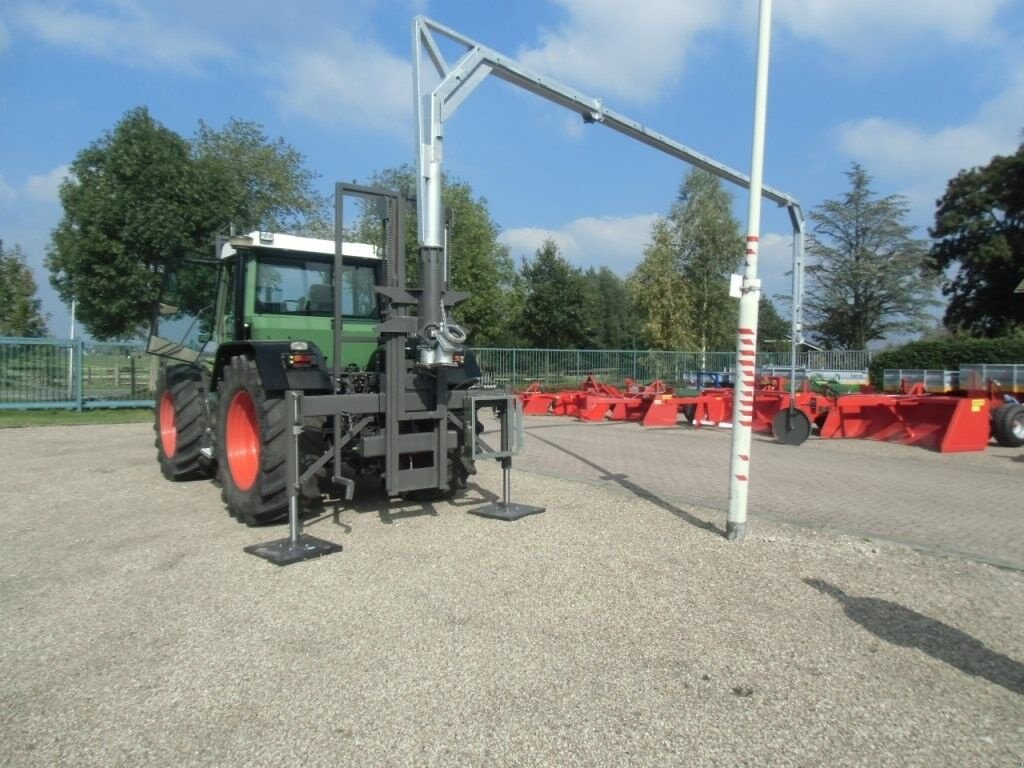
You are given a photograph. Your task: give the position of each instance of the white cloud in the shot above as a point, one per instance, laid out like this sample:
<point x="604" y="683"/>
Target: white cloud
<point x="923" y="161"/>
<point x="869" y="29"/>
<point x="124" y="31"/>
<point x="774" y="260"/>
<point x="7" y="192"/>
<point x="631" y="51"/>
<point x="606" y="241"/>
<point x="44" y="187"/>
<point x="356" y="84"/>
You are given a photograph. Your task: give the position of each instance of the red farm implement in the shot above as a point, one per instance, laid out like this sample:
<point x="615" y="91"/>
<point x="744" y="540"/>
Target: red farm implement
<point x="964" y="420"/>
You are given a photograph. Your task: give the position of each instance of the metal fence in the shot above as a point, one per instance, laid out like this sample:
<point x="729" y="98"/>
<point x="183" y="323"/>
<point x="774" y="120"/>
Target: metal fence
<point x="53" y="373"/>
<point x="66" y="373"/>
<point x="561" y="367"/>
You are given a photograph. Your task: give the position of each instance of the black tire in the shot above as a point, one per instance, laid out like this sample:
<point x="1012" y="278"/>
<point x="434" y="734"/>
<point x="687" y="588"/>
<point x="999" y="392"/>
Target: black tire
<point x="252" y="444"/>
<point x="791" y="427"/>
<point x="1008" y="425"/>
<point x="181" y="422"/>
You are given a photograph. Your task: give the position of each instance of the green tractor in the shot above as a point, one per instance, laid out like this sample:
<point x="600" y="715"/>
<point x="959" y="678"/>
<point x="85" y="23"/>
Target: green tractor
<point x="319" y="349"/>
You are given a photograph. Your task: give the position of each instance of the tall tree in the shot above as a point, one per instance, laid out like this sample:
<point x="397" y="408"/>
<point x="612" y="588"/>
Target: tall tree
<point x="554" y="313"/>
<point x="979" y="231"/>
<point x="867" y="276"/>
<point x="133" y="203"/>
<point x="682" y="284"/>
<point x="773" y="331"/>
<point x="141" y="197"/>
<point x="479" y="264"/>
<point x="20" y="307"/>
<point x="261" y="183"/>
<point x="610" y="317"/>
<point x="710" y="248"/>
<point x="660" y="294"/>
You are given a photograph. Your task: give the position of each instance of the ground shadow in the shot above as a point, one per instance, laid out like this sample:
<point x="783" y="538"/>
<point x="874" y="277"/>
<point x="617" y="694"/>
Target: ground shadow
<point x="623" y="482"/>
<point x="900" y="625"/>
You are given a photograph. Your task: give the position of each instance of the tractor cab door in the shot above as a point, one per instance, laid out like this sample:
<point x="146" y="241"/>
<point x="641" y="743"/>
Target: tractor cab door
<point x="183" y="322"/>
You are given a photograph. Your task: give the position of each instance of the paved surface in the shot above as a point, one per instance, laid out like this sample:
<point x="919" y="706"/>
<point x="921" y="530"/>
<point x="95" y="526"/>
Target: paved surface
<point x="611" y="630"/>
<point x="970" y="504"/>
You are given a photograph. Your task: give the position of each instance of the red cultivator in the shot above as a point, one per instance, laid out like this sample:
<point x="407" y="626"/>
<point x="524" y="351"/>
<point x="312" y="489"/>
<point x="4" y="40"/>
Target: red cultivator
<point x="947" y="423"/>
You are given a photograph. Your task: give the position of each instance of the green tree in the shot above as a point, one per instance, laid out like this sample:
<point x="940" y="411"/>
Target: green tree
<point x="478" y="263"/>
<point x="20" y="308"/>
<point x="554" y="312"/>
<point x="773" y="331"/>
<point x="261" y="183"/>
<point x="710" y="248"/>
<point x="660" y="294"/>
<point x="142" y="197"/>
<point x="133" y="203"/>
<point x="610" y="317"/>
<point x="682" y="284"/>
<point x="979" y="231"/>
<point x="867" y="276"/>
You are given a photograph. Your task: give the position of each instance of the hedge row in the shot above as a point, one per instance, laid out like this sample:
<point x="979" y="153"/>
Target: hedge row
<point x="948" y="354"/>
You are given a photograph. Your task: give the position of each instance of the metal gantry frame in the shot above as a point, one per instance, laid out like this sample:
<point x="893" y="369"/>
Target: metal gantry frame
<point x="434" y="105"/>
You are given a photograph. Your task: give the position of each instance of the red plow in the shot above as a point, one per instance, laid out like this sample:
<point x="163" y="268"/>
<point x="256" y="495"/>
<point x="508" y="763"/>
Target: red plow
<point x="963" y="421"/>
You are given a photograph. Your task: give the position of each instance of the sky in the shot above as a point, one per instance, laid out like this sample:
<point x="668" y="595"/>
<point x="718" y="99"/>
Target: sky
<point x="914" y="90"/>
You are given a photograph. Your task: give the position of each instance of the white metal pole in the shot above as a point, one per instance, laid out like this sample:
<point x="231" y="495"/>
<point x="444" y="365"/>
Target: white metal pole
<point x="746" y="345"/>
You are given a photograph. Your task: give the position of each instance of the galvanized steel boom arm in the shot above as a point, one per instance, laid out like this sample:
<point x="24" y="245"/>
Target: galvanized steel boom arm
<point x="457" y="81"/>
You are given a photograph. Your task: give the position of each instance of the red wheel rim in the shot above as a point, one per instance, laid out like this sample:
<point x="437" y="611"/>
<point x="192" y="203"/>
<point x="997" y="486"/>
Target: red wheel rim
<point x="168" y="430"/>
<point x="242" y="435"/>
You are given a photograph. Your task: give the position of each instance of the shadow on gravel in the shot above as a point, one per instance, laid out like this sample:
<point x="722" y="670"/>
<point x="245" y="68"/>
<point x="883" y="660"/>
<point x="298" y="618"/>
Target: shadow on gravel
<point x="899" y="625"/>
<point x="636" y="490"/>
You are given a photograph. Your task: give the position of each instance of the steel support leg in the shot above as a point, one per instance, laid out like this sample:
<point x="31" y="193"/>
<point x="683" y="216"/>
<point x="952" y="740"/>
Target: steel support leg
<point x="298" y="546"/>
<point x="506" y="509"/>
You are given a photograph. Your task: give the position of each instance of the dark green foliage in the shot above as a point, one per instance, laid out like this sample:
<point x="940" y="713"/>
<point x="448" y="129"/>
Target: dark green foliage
<point x="478" y="263"/>
<point x="554" y="314"/>
<point x="773" y="331"/>
<point x="261" y="183"/>
<point x="141" y="197"/>
<point x="20" y="313"/>
<point x="610" y="317"/>
<point x="867" y="277"/>
<point x="979" y="231"/>
<point x="948" y="354"/>
<point x="133" y="203"/>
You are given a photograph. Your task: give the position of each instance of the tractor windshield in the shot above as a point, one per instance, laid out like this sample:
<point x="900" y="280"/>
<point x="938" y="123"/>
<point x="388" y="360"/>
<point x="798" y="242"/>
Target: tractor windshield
<point x="303" y="287"/>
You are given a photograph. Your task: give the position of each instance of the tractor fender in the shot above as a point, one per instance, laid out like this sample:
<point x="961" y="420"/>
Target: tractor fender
<point x="271" y="358"/>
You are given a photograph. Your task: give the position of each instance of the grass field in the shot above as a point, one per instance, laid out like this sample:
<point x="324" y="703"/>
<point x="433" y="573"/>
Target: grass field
<point x="44" y="418"/>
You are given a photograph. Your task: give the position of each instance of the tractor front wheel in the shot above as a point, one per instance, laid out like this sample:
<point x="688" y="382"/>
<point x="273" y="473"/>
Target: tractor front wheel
<point x="181" y="422"/>
<point x="252" y="444"/>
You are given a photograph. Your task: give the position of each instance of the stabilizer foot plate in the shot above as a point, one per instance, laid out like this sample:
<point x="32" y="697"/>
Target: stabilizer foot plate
<point x="284" y="552"/>
<point x="501" y="511"/>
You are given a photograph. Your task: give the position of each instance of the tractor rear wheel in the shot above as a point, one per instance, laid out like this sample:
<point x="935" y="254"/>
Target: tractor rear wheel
<point x="181" y="422"/>
<point x="1008" y="425"/>
<point x="252" y="444"/>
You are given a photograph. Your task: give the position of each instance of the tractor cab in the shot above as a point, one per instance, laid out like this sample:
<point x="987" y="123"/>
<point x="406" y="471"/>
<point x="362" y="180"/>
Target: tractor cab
<point x="268" y="286"/>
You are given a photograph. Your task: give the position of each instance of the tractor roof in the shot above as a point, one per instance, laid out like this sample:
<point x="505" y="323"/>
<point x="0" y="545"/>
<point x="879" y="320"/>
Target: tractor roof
<point x="276" y="241"/>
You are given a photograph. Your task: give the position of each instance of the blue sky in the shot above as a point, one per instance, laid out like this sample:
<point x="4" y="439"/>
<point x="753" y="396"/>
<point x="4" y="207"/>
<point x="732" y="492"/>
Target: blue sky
<point x="913" y="89"/>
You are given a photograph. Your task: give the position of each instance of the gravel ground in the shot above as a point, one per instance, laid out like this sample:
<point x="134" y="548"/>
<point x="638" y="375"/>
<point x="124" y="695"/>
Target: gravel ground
<point x="611" y="630"/>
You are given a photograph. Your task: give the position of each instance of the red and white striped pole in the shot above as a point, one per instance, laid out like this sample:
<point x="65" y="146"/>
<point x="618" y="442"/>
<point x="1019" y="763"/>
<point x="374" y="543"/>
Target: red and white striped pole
<point x="746" y="345"/>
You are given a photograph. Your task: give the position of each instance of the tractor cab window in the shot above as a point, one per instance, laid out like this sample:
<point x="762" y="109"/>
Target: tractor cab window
<point x="303" y="287"/>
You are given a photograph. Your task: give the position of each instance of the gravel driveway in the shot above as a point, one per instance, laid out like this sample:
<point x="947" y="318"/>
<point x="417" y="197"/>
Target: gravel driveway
<point x="611" y="630"/>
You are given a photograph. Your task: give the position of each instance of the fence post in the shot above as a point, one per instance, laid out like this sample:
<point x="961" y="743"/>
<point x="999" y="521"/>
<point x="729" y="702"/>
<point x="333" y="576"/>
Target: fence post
<point x="132" y="375"/>
<point x="79" y="370"/>
<point x="512" y="382"/>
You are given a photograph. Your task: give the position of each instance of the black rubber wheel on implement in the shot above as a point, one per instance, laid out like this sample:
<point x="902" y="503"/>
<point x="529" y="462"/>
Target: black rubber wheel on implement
<point x="252" y="444"/>
<point x="181" y="422"/>
<point x="791" y="427"/>
<point x="1008" y="425"/>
